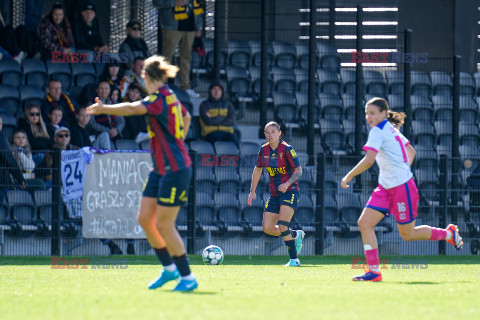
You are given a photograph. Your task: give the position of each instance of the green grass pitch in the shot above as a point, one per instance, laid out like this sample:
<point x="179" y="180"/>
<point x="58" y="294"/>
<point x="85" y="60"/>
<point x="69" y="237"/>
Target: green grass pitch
<point x="242" y="288"/>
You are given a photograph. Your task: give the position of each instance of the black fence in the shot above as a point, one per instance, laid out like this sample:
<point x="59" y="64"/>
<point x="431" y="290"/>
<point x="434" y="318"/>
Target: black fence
<point x="218" y="212"/>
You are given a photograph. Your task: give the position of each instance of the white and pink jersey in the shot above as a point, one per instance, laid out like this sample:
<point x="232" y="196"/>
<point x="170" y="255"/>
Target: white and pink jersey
<point x="392" y="157"/>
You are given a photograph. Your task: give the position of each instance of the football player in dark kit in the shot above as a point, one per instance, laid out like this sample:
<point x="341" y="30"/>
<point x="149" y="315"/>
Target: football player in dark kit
<point x="284" y="169"/>
<point x="167" y="185"/>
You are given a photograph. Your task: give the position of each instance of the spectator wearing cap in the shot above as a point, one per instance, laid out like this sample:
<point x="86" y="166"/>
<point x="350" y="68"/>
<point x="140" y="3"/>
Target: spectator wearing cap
<point x="181" y="22"/>
<point x="105" y="122"/>
<point x="62" y="139"/>
<point x="135" y="126"/>
<point x="135" y="74"/>
<point x="86" y="31"/>
<point x="134" y="46"/>
<point x="55" y="33"/>
<point x="114" y="74"/>
<point x="217" y="116"/>
<point x="56" y="98"/>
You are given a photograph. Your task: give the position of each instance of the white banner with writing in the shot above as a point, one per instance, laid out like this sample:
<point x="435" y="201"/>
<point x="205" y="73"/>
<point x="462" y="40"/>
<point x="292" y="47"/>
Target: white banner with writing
<point x="112" y="193"/>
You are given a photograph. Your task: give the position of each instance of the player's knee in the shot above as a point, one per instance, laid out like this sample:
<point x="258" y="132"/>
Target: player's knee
<point x="162" y="227"/>
<point x="142" y="220"/>
<point x="363" y="225"/>
<point x="407" y="236"/>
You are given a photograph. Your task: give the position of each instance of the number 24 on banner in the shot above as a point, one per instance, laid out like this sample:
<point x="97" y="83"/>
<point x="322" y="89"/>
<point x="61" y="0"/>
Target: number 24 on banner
<point x="68" y="171"/>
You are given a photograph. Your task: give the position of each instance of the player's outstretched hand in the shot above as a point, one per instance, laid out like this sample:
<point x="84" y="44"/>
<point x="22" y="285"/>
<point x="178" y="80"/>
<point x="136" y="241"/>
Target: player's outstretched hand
<point x="251" y="197"/>
<point x="283" y="187"/>
<point x="95" y="108"/>
<point x="346" y="180"/>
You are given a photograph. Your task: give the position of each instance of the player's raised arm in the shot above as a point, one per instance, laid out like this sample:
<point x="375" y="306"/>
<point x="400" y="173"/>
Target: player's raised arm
<point x="120" y="109"/>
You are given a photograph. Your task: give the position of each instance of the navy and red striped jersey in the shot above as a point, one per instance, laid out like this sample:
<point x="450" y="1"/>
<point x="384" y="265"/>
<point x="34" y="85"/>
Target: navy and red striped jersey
<point x="280" y="164"/>
<point x="165" y="127"/>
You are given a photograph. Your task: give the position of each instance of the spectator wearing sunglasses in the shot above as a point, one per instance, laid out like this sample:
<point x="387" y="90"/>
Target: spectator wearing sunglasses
<point x="38" y="138"/>
<point x="134" y="46"/>
<point x="62" y="139"/>
<point x="36" y="131"/>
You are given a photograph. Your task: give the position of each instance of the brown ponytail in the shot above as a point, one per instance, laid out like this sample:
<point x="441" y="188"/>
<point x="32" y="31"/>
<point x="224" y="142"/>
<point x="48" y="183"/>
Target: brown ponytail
<point x="159" y="69"/>
<point x="395" y="118"/>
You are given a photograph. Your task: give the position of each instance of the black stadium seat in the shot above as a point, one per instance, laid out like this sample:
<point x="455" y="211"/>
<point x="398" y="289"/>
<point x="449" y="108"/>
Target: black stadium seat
<point x="202" y="147"/>
<point x="284" y="80"/>
<point x="31" y="94"/>
<point x="60" y="72"/>
<point x="35" y="72"/>
<point x="421" y="84"/>
<point x="9" y="99"/>
<point x="10" y="72"/>
<point x="329" y="81"/>
<point x="238" y="53"/>
<point x="375" y="83"/>
<point x="83" y="73"/>
<point x="395" y="80"/>
<point x="441" y="83"/>
<point x="284" y="54"/>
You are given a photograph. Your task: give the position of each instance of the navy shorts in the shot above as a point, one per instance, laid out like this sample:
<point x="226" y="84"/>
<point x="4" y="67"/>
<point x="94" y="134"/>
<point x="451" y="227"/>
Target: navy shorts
<point x="289" y="198"/>
<point x="171" y="189"/>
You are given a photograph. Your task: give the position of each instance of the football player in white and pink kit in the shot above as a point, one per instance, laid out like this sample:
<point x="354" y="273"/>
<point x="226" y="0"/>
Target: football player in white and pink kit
<point x="396" y="193"/>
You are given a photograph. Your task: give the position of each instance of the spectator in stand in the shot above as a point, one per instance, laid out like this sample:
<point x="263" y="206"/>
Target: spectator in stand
<point x="104" y="122"/>
<point x="135" y="74"/>
<point x="33" y="14"/>
<point x="36" y="131"/>
<point x="134" y="46"/>
<point x="9" y="45"/>
<point x="114" y="74"/>
<point x="56" y="98"/>
<point x="181" y="22"/>
<point x="135" y="126"/>
<point x="55" y="117"/>
<point x="83" y="136"/>
<point x="62" y="139"/>
<point x="86" y="32"/>
<point x="23" y="154"/>
<point x="55" y="33"/>
<point x="38" y="139"/>
<point x="8" y="166"/>
<point x="217" y="116"/>
<point x="115" y="95"/>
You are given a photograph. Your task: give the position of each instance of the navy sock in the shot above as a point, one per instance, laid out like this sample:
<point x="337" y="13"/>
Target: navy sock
<point x="163" y="256"/>
<point x="182" y="265"/>
<point x="294" y="233"/>
<point x="292" y="250"/>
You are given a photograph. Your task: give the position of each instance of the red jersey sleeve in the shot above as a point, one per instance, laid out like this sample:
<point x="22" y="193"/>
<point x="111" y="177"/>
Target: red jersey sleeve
<point x="292" y="157"/>
<point x="259" y="158"/>
<point x="153" y="103"/>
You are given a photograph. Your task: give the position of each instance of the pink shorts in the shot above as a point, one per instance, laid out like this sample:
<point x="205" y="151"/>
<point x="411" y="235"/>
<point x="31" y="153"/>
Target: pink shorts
<point x="400" y="201"/>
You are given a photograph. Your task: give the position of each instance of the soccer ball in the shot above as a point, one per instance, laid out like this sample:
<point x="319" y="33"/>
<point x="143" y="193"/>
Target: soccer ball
<point x="212" y="255"/>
